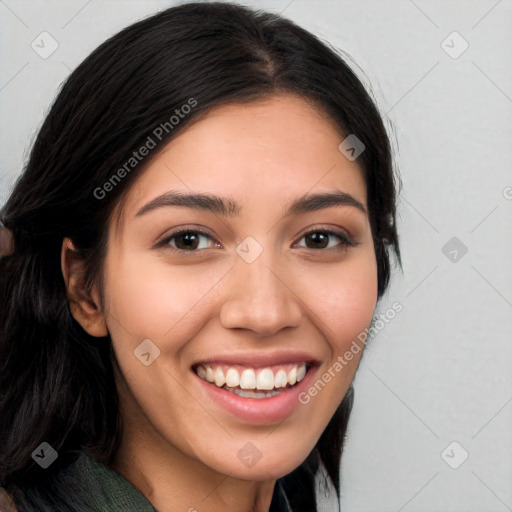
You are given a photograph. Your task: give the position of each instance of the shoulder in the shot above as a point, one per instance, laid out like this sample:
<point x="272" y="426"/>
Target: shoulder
<point x="6" y="503"/>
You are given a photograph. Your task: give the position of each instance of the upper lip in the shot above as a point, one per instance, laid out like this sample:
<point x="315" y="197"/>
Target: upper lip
<point x="257" y="359"/>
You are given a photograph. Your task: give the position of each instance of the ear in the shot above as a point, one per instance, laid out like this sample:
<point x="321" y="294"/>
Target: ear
<point x="85" y="307"/>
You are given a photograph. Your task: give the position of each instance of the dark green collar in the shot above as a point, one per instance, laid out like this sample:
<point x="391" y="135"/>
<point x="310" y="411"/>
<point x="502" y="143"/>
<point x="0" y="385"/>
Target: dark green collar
<point x="105" y="490"/>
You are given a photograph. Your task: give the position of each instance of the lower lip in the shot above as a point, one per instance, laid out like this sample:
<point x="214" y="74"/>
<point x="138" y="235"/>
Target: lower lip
<point x="259" y="411"/>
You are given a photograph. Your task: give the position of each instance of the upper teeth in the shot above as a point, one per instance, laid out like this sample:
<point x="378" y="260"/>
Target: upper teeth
<point x="250" y="378"/>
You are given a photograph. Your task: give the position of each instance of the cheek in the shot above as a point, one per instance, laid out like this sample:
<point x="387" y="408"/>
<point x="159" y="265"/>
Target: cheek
<point x="344" y="305"/>
<point x="344" y="299"/>
<point x="151" y="299"/>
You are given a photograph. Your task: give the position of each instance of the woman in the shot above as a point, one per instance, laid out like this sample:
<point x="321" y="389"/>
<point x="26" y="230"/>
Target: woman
<point x="201" y="232"/>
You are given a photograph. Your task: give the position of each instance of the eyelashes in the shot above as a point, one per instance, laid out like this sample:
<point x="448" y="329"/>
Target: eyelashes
<point x="345" y="240"/>
<point x="190" y="240"/>
<point x="190" y="235"/>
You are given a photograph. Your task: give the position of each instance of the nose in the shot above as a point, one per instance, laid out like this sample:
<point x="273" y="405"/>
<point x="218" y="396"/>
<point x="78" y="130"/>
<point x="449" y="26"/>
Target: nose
<point x="259" y="297"/>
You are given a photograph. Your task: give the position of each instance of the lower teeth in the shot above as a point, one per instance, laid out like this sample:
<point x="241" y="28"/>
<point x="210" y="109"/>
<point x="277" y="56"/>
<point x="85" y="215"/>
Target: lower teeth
<point x="252" y="394"/>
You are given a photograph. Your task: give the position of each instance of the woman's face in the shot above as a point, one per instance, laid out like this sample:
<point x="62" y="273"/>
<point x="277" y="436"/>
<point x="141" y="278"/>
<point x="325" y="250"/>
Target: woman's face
<point x="253" y="291"/>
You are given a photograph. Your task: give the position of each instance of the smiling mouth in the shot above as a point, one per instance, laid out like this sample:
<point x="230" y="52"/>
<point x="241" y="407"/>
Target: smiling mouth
<point x="251" y="382"/>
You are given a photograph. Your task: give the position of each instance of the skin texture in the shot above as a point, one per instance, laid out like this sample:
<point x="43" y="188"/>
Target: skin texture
<point x="178" y="447"/>
<point x="6" y="502"/>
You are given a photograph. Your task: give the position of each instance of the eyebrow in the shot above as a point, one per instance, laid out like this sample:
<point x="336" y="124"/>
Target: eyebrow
<point x="227" y="207"/>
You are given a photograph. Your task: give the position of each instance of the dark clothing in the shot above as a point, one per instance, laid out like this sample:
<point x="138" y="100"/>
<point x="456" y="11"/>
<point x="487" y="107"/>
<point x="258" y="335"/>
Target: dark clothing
<point x="108" y="491"/>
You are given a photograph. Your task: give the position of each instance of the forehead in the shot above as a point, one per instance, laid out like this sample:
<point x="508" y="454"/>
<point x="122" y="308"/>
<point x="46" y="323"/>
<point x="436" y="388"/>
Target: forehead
<point x="259" y="153"/>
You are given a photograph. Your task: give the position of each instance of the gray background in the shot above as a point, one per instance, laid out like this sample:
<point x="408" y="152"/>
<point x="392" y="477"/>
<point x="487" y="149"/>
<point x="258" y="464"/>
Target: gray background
<point x="441" y="370"/>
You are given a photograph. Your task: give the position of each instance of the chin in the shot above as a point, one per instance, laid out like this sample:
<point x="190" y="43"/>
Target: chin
<point x="255" y="465"/>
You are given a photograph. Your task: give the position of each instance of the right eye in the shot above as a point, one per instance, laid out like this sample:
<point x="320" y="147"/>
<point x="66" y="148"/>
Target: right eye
<point x="187" y="240"/>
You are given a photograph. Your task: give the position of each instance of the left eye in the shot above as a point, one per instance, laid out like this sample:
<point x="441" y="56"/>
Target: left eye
<point x="319" y="237"/>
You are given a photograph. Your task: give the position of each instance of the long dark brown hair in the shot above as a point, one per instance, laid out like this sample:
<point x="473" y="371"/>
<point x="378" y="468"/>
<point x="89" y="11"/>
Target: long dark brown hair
<point x="56" y="381"/>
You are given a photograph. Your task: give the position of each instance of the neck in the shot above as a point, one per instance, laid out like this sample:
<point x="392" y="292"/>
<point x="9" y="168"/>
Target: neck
<point x="171" y="485"/>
